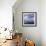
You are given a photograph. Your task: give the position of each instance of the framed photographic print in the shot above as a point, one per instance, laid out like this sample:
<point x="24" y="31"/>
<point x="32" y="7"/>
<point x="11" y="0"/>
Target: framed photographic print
<point x="29" y="19"/>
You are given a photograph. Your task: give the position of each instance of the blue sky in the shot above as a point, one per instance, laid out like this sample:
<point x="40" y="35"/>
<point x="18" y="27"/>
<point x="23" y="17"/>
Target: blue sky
<point x="28" y="17"/>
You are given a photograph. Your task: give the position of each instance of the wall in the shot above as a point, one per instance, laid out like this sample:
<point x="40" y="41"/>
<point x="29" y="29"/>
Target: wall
<point x="6" y="13"/>
<point x="33" y="33"/>
<point x="43" y="22"/>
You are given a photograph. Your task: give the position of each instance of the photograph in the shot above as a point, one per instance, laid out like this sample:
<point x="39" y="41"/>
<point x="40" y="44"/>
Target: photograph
<point x="29" y="19"/>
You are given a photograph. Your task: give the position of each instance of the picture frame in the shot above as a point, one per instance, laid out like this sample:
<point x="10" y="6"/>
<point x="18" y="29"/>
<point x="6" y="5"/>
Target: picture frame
<point x="29" y="19"/>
